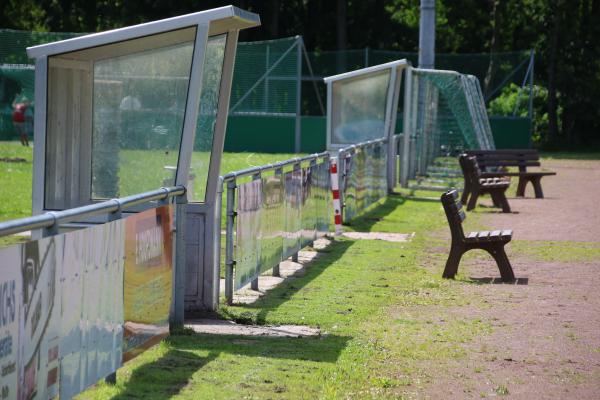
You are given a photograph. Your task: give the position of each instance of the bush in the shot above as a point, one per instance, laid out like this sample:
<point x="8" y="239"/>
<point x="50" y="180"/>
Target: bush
<point x="514" y="101"/>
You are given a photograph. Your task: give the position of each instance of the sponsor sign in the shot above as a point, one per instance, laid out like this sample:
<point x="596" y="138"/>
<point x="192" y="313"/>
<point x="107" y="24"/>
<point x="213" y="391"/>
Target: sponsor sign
<point x="74" y="306"/>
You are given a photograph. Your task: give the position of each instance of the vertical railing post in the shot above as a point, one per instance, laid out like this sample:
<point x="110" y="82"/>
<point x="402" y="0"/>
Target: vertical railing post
<point x="298" y="167"/>
<point x="254" y="283"/>
<point x="313" y="165"/>
<point x="177" y="315"/>
<point x="407" y="123"/>
<point x="229" y="257"/>
<point x="341" y="159"/>
<point x="279" y="173"/>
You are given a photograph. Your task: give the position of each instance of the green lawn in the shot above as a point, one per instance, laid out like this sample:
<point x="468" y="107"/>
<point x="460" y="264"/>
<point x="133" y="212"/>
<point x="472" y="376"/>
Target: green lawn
<point x="368" y="349"/>
<point x="15" y="177"/>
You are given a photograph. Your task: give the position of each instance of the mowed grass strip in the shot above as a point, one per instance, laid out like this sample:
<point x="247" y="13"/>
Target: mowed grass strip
<point x="365" y="296"/>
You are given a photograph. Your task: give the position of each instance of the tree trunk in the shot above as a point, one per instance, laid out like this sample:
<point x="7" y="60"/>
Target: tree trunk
<point x="552" y="93"/>
<point x="274" y="20"/>
<point x="342" y="37"/>
<point x="497" y="14"/>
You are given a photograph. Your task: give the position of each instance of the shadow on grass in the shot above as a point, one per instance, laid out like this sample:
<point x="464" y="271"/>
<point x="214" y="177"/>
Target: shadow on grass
<point x="365" y="222"/>
<point x="282" y="293"/>
<point x="164" y="377"/>
<point x="170" y="374"/>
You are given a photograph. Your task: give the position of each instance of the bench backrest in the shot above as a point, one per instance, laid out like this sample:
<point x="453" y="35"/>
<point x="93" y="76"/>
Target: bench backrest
<point x="506" y="158"/>
<point x="470" y="169"/>
<point x="454" y="213"/>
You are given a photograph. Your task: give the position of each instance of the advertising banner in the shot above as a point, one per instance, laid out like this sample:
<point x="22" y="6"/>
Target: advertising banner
<point x="148" y="279"/>
<point x="74" y="306"/>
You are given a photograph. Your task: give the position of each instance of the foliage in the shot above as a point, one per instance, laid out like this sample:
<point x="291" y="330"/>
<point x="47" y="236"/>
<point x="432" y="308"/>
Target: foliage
<point x="514" y="101"/>
<point x="563" y="34"/>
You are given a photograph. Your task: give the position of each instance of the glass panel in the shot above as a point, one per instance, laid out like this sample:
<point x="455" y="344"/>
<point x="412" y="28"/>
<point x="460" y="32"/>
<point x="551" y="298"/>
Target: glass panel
<point x="248" y="220"/>
<point x="139" y="103"/>
<point x="292" y="219"/>
<point x="207" y="116"/>
<point x="358" y="109"/>
<point x="271" y="225"/>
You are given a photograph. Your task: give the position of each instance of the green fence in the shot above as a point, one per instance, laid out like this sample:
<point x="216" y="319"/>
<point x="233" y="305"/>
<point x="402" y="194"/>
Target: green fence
<point x="268" y="134"/>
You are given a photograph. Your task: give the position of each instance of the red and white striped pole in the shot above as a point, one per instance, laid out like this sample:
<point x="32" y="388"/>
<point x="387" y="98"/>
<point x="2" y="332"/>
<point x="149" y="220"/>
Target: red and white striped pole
<point x="335" y="191"/>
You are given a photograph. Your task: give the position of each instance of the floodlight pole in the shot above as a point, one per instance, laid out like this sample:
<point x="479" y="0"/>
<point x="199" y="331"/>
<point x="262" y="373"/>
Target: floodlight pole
<point x="427" y="35"/>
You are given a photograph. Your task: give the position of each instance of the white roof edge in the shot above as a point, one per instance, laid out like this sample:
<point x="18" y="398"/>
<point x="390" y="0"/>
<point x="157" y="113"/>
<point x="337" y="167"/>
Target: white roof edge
<point x="392" y="64"/>
<point x="145" y="29"/>
<point x="436" y="71"/>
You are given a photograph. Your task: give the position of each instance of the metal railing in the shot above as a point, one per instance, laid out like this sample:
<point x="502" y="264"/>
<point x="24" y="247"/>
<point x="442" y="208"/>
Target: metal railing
<point x="51" y="220"/>
<point x="363" y="178"/>
<point x="273" y="215"/>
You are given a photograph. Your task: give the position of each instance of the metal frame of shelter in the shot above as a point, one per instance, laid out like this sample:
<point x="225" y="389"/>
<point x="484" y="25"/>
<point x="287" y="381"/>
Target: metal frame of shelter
<point x="395" y="69"/>
<point x="65" y="124"/>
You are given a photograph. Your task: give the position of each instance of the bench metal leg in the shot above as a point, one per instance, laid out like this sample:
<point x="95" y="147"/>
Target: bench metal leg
<point x="503" y="202"/>
<point x="473" y="200"/>
<point x="465" y="194"/>
<point x="506" y="271"/>
<point x="496" y="201"/>
<point x="521" y="186"/>
<point x="537" y="187"/>
<point x="454" y="257"/>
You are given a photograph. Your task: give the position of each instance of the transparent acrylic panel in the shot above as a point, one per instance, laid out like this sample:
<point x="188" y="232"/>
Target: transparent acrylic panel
<point x="360" y="182"/>
<point x="348" y="185"/>
<point x="323" y="198"/>
<point x="139" y="99"/>
<point x="358" y="108"/>
<point x="249" y="200"/>
<point x="308" y="212"/>
<point x="293" y="191"/>
<point x="272" y="222"/>
<point x="207" y="116"/>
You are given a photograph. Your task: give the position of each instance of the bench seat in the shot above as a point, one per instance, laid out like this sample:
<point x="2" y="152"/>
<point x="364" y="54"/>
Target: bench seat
<point x="489" y="236"/>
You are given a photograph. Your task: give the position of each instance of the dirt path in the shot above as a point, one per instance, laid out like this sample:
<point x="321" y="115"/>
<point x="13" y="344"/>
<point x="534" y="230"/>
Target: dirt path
<point x="545" y="341"/>
<point x="570" y="210"/>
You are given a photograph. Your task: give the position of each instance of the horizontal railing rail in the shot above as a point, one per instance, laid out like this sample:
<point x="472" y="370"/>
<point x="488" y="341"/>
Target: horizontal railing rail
<point x="267" y="167"/>
<point x="53" y="219"/>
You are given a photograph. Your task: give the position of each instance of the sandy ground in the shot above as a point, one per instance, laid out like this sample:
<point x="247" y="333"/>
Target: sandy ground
<point x="545" y="342"/>
<point x="569" y="210"/>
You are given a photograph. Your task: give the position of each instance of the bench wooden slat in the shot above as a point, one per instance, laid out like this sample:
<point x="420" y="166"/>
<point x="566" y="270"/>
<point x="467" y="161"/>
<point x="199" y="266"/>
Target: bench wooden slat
<point x="483" y="235"/>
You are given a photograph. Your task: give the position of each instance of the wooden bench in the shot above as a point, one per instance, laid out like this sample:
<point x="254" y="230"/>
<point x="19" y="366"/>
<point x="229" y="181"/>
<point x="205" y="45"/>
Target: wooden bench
<point x="476" y="186"/>
<point x="490" y="160"/>
<point x="491" y="241"/>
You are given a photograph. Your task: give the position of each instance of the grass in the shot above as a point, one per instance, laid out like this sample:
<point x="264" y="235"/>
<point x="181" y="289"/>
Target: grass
<point x="558" y="251"/>
<point x="16" y="177"/>
<point x="365" y="296"/>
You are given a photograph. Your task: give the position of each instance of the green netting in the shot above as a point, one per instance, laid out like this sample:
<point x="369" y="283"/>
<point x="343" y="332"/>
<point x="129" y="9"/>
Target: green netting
<point x="448" y="115"/>
<point x="265" y="79"/>
<point x="14" y="43"/>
